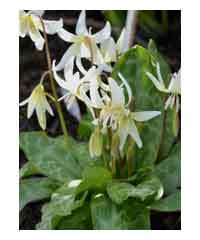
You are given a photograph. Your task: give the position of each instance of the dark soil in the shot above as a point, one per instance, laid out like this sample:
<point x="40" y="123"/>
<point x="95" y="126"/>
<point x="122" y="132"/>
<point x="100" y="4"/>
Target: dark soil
<point x="32" y="64"/>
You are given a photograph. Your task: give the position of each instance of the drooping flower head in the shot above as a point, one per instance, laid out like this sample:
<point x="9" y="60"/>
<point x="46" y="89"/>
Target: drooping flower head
<point x="38" y="102"/>
<point x="174" y="88"/>
<point x="30" y="24"/>
<point x="84" y="43"/>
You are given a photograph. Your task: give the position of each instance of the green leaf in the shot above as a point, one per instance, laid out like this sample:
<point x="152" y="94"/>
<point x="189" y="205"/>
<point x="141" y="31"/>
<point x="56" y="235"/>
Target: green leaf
<point x="169" y="170"/>
<point x="169" y="204"/>
<point x="80" y="219"/>
<point x="133" y="65"/>
<point x="95" y="178"/>
<point x="85" y="127"/>
<point x="53" y="157"/>
<point x="62" y="203"/>
<point x="150" y="189"/>
<point x="108" y="216"/>
<point x="35" y="189"/>
<point x="28" y="169"/>
<point x="116" y="18"/>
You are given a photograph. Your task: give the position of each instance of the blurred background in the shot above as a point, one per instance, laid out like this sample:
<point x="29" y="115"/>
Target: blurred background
<point x="164" y="27"/>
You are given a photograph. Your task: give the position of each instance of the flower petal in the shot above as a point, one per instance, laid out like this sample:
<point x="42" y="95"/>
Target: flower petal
<point x="41" y="116"/>
<point x="121" y="44"/>
<point x="31" y="108"/>
<point x="145" y="116"/>
<point x="24" y="102"/>
<point x="68" y="69"/>
<point x="59" y="80"/>
<point x="37" y="12"/>
<point x="73" y="50"/>
<point x="66" y="36"/>
<point x="37" y="38"/>
<point x="94" y="94"/>
<point x="80" y="65"/>
<point x="108" y="50"/>
<point x="117" y="94"/>
<point x="156" y="83"/>
<point x="135" y="134"/>
<point x="168" y="102"/>
<point x="127" y="87"/>
<point x="103" y="34"/>
<point x="52" y="27"/>
<point x="81" y="28"/>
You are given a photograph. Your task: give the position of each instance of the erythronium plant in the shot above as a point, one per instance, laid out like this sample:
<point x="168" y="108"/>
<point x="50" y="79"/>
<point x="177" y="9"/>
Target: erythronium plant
<point x="97" y="184"/>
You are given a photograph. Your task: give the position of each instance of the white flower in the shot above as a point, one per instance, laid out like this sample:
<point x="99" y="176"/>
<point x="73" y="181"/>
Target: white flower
<point x="174" y="88"/>
<point x="116" y="115"/>
<point x="38" y="101"/>
<point x="84" y="42"/>
<point x="30" y="24"/>
<point x="121" y="43"/>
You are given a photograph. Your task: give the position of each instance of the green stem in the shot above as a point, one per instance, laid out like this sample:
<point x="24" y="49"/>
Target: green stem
<point x="53" y="87"/>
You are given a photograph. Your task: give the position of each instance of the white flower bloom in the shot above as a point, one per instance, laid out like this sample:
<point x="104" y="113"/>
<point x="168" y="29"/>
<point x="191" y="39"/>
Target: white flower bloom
<point x="38" y="101"/>
<point x="84" y="42"/>
<point x="116" y="116"/>
<point x="121" y="43"/>
<point x="174" y="88"/>
<point x="30" y="24"/>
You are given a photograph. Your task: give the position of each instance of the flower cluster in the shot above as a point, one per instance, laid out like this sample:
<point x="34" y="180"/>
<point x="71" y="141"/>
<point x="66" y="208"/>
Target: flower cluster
<point x="104" y="96"/>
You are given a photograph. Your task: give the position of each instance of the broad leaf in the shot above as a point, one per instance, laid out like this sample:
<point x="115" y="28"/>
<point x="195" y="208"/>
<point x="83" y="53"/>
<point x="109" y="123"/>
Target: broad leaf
<point x="53" y="157"/>
<point x="169" y="170"/>
<point x="62" y="203"/>
<point x="150" y="189"/>
<point x="108" y="216"/>
<point x="169" y="204"/>
<point x="28" y="169"/>
<point x="80" y="219"/>
<point x="133" y="65"/>
<point x="34" y="189"/>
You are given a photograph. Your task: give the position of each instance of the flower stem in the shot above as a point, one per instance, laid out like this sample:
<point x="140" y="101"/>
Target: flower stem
<point x="53" y="87"/>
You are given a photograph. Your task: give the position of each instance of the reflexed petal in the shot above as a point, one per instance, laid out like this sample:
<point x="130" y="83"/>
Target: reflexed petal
<point x="58" y="79"/>
<point x="97" y="56"/>
<point x="117" y="94"/>
<point x="108" y="49"/>
<point x="24" y="102"/>
<point x="81" y="28"/>
<point x="94" y="94"/>
<point x="37" y="38"/>
<point x="159" y="74"/>
<point x="127" y="87"/>
<point x="73" y="50"/>
<point x="121" y="44"/>
<point x="68" y="70"/>
<point x="145" y="116"/>
<point x="52" y="27"/>
<point x="156" y="83"/>
<point x="37" y="12"/>
<point x="66" y="36"/>
<point x="103" y="34"/>
<point x="135" y="134"/>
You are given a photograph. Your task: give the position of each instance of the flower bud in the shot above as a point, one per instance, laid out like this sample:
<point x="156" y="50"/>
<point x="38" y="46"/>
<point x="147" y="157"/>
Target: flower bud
<point x="96" y="143"/>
